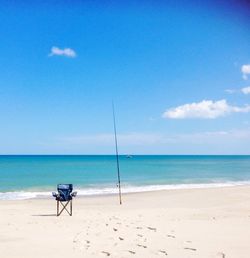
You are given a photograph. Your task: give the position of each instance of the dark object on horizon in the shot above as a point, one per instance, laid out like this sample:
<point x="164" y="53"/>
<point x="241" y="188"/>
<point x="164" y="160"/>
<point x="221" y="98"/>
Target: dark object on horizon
<point x="129" y="156"/>
<point x="64" y="195"/>
<point x="117" y="157"/>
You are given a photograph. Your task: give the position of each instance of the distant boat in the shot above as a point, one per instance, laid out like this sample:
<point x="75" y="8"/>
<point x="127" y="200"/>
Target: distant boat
<point x="129" y="156"/>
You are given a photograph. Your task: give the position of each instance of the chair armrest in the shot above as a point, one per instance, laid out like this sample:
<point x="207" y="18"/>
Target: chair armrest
<point x="74" y="194"/>
<point x="54" y="194"/>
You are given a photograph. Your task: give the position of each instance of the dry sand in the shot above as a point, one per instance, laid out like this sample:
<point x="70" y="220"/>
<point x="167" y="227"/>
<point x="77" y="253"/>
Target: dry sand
<point x="174" y="223"/>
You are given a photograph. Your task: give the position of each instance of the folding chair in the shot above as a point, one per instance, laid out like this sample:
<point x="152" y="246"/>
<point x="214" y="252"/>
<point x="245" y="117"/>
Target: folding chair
<point x="64" y="197"/>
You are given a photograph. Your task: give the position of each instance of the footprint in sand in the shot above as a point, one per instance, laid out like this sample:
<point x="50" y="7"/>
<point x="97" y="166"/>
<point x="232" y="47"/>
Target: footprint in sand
<point x="87" y="245"/>
<point x="76" y="237"/>
<point x="115" y="229"/>
<point x="139" y="235"/>
<point x="150" y="228"/>
<point x="144" y="246"/>
<point x="221" y="255"/>
<point x="132" y="252"/>
<point x="191" y="249"/>
<point x="120" y="238"/>
<point x="105" y="253"/>
<point x="163" y="252"/>
<point x="172" y="236"/>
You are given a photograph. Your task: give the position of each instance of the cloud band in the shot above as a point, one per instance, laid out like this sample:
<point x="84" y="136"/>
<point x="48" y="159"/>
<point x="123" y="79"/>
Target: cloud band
<point x="67" y="52"/>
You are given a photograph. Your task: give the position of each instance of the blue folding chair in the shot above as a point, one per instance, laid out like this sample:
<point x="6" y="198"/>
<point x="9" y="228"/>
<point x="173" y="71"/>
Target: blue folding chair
<point x="64" y="194"/>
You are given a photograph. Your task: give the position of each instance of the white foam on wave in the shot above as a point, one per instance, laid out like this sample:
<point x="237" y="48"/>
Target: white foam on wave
<point x="22" y="195"/>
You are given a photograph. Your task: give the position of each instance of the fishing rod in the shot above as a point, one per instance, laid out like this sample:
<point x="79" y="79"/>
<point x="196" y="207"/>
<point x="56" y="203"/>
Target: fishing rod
<point x="117" y="156"/>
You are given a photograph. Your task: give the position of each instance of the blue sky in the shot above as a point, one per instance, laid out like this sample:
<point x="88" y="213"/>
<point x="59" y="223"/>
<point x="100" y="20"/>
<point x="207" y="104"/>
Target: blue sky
<point x="178" y="72"/>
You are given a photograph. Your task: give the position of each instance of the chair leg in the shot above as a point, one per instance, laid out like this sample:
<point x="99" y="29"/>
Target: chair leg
<point x="64" y="208"/>
<point x="57" y="210"/>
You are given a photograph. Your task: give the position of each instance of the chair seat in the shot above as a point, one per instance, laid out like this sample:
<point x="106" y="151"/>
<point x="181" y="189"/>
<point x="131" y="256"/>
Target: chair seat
<point x="63" y="199"/>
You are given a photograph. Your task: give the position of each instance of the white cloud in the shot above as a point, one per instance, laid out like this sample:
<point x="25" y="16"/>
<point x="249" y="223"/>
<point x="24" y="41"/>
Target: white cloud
<point x="68" y="52"/>
<point x="234" y="141"/>
<point x="213" y="136"/>
<point x="150" y="139"/>
<point x="230" y="91"/>
<point x="108" y="139"/>
<point x="206" y="109"/>
<point x="245" y="69"/>
<point x="246" y="90"/>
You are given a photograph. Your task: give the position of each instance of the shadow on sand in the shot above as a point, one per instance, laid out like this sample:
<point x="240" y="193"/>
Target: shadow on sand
<point x="44" y="215"/>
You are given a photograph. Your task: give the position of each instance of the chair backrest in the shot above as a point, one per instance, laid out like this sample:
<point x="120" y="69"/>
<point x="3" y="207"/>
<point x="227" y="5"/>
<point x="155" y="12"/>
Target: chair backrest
<point x="64" y="191"/>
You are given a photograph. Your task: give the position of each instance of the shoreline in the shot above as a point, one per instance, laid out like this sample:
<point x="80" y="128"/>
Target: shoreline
<point x="89" y="192"/>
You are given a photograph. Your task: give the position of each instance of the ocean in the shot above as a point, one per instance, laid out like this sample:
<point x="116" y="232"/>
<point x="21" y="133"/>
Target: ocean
<point x="35" y="176"/>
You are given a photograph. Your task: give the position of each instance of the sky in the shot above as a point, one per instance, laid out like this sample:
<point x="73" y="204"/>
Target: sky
<point x="178" y="73"/>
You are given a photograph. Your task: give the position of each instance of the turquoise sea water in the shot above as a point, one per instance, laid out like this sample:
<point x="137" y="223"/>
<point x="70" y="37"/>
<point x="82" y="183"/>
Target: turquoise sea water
<point x="31" y="176"/>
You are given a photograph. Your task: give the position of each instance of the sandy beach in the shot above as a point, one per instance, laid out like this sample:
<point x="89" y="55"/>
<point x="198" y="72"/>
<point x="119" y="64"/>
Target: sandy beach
<point x="172" y="223"/>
